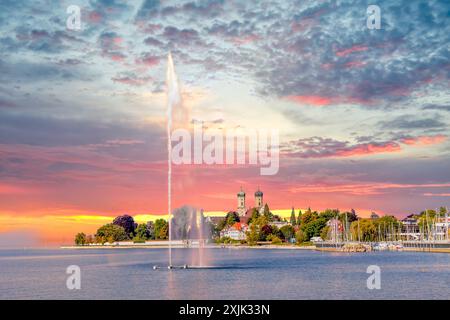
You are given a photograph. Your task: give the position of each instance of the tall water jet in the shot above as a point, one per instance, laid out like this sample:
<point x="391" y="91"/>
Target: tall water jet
<point x="173" y="99"/>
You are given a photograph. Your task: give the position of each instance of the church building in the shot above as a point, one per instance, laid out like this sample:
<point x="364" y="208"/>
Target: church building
<point x="259" y="202"/>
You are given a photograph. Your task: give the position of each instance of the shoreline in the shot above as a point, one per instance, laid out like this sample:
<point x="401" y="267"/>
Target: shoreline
<point x="237" y="246"/>
<point x="108" y="247"/>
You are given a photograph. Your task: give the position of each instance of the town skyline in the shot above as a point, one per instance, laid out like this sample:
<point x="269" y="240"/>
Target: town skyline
<point x="363" y="114"/>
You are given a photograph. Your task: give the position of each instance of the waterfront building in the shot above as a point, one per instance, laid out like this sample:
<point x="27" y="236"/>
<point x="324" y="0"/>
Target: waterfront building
<point x="442" y="226"/>
<point x="236" y="232"/>
<point x="410" y="228"/>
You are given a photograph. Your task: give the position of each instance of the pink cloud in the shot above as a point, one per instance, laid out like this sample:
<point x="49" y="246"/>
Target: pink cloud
<point x="118" y="57"/>
<point x="245" y="39"/>
<point x="355" y="64"/>
<point x="424" y="140"/>
<point x="356" y="48"/>
<point x="312" y="100"/>
<point x="369" y="148"/>
<point x="94" y="17"/>
<point x="148" y="60"/>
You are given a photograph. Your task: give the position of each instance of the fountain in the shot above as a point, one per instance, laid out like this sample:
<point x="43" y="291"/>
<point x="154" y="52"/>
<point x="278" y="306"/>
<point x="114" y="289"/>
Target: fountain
<point x="190" y="226"/>
<point x="186" y="224"/>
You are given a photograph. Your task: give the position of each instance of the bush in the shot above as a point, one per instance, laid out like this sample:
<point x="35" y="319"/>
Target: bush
<point x="226" y="240"/>
<point x="138" y="240"/>
<point x="273" y="239"/>
<point x="111" y="233"/>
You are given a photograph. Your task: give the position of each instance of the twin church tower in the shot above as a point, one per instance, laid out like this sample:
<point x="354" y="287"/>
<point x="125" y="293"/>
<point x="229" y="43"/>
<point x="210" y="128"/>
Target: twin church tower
<point x="241" y="210"/>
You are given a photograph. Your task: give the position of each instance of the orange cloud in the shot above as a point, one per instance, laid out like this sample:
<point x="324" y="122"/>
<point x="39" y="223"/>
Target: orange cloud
<point x="363" y="188"/>
<point x="424" y="140"/>
<point x="368" y="148"/>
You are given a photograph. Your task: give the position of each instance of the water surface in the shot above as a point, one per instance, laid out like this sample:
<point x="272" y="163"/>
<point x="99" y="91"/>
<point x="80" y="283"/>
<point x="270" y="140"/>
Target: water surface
<point x="237" y="274"/>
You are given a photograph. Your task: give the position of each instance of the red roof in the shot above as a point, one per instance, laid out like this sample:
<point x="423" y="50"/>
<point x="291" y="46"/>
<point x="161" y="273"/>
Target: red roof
<point x="238" y="226"/>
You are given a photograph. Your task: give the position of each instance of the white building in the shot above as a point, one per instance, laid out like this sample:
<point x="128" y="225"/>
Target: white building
<point x="236" y="231"/>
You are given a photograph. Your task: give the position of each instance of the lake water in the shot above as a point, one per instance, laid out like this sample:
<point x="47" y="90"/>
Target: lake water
<point x="238" y="274"/>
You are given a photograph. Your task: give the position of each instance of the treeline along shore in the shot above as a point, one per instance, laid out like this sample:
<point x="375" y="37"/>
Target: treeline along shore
<point x="329" y="230"/>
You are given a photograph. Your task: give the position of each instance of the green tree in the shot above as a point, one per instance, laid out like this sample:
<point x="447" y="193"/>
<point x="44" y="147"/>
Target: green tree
<point x="364" y="230"/>
<point x="161" y="229"/>
<point x="300" y="236"/>
<point x="151" y="230"/>
<point x="308" y="217"/>
<point x="329" y="214"/>
<point x="80" y="239"/>
<point x="292" y="220"/>
<point x="255" y="215"/>
<point x="111" y="233"/>
<point x="142" y="233"/>
<point x="324" y="233"/>
<point x="313" y="228"/>
<point x="299" y="217"/>
<point x="287" y="231"/>
<point x="255" y="233"/>
<point x="385" y="226"/>
<point x="230" y="219"/>
<point x="267" y="213"/>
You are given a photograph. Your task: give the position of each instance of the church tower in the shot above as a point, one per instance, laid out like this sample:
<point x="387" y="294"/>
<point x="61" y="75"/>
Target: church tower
<point x="258" y="199"/>
<point x="241" y="202"/>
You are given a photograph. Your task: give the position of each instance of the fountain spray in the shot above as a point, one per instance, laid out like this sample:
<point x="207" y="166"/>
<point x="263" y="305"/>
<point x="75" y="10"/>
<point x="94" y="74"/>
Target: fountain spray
<point x="173" y="98"/>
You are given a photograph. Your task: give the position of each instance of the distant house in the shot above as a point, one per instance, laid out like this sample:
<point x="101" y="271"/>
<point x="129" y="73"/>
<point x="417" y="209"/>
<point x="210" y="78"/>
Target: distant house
<point x="236" y="231"/>
<point x="410" y="228"/>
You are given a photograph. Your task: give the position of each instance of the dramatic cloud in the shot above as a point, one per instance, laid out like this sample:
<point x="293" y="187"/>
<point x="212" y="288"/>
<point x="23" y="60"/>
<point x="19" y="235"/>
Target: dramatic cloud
<point x="318" y="147"/>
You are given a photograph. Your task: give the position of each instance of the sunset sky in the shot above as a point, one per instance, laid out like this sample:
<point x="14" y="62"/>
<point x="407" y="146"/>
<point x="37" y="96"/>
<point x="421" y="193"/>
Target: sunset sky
<point x="363" y="114"/>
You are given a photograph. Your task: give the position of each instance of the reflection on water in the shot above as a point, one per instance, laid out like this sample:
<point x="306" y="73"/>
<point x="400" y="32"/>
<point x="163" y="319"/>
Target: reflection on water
<point x="233" y="274"/>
